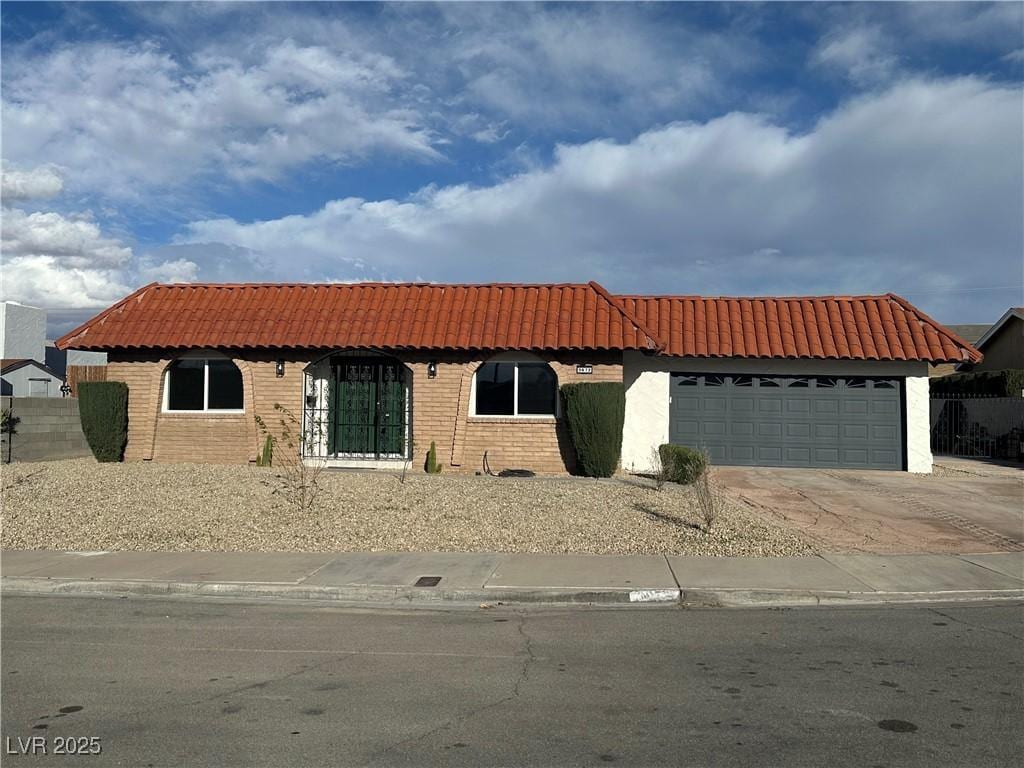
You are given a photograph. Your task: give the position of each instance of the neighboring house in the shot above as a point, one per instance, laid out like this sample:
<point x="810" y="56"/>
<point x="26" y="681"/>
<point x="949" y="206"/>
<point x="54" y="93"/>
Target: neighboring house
<point x="969" y="332"/>
<point x="1002" y="343"/>
<point x="376" y="372"/>
<point x="22" y="332"/>
<point x="28" y="378"/>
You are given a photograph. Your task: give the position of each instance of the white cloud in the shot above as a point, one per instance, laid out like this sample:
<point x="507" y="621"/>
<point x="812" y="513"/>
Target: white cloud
<point x="132" y="118"/>
<point x="34" y="184"/>
<point x="74" y="242"/>
<point x="177" y="271"/>
<point x="862" y="53"/>
<point x="897" y="190"/>
<point x="51" y="260"/>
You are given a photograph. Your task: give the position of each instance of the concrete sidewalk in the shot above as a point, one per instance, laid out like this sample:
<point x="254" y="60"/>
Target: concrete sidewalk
<point x="492" y="578"/>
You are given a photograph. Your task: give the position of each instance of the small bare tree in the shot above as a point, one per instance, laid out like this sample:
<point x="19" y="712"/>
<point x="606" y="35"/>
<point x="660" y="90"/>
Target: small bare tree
<point x="709" y="498"/>
<point x="299" y="475"/>
<point x="658" y="472"/>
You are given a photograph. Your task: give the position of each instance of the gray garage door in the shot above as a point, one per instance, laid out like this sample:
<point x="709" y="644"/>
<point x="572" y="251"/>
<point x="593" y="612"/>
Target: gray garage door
<point x="789" y="421"/>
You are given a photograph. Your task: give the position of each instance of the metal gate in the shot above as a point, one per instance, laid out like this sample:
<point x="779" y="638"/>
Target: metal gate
<point x="366" y="408"/>
<point x="789" y="421"/>
<point x="977" y="426"/>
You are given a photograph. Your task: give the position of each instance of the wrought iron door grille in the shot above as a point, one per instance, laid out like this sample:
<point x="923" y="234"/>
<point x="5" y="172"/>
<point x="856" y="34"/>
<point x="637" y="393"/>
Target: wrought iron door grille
<point x="357" y="408"/>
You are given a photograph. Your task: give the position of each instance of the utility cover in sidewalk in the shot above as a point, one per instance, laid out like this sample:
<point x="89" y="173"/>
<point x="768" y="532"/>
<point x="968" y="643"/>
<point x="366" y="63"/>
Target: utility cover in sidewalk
<point x="427" y="581"/>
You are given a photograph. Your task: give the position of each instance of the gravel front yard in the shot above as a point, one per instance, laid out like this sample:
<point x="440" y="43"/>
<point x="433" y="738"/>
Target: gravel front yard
<point x="83" y="505"/>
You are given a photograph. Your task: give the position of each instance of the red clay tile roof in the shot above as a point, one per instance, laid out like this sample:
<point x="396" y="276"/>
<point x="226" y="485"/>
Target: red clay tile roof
<point x="517" y="317"/>
<point x="364" y="315"/>
<point x="825" y="327"/>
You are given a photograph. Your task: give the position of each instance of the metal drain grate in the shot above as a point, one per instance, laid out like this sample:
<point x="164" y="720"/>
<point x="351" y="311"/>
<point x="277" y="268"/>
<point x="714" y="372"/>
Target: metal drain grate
<point x="427" y="581"/>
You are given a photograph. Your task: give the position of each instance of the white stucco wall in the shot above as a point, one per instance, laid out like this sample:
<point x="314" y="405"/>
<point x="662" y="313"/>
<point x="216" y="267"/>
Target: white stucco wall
<point x="22" y="332"/>
<point x="647" y="380"/>
<point x="918" y="426"/>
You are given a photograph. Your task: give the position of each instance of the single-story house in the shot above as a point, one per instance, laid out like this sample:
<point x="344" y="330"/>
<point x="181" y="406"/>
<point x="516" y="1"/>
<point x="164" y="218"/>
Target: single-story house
<point x="373" y="374"/>
<point x="28" y="378"/>
<point x="1002" y="344"/>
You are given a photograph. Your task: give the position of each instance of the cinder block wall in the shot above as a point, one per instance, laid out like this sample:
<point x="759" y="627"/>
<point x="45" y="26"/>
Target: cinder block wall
<point x="440" y="406"/>
<point x="49" y="428"/>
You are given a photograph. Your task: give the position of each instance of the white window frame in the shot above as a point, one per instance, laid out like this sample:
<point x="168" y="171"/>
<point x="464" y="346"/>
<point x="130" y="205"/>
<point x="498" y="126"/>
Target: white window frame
<point x="515" y="393"/>
<point x="206" y="357"/>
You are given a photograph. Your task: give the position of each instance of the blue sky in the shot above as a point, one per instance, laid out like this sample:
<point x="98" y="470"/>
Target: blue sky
<point x="727" y="149"/>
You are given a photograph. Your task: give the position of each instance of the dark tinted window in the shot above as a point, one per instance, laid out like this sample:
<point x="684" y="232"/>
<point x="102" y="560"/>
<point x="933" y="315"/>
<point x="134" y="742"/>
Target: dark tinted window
<point x="185" y="383"/>
<point x="495" y="385"/>
<point x="538" y="389"/>
<point x="225" y="385"/>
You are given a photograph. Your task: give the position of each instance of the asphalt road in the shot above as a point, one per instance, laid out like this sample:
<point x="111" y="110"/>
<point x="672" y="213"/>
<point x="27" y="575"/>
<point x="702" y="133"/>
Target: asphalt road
<point x="183" y="682"/>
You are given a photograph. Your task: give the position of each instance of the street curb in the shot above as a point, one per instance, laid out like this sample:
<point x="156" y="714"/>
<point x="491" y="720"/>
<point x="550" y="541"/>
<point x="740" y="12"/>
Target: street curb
<point x="354" y="594"/>
<point x="753" y="598"/>
<point x="687" y="598"/>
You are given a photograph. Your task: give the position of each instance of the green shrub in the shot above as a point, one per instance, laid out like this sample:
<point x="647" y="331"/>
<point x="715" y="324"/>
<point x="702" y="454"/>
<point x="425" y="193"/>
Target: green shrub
<point x="681" y="464"/>
<point x="1005" y="383"/>
<point x="594" y="413"/>
<point x="432" y="467"/>
<point x="103" y="407"/>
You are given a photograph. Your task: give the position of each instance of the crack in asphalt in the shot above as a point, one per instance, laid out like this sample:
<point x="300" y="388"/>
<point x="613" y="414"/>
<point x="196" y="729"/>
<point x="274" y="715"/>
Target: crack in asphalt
<point x="975" y="626"/>
<point x="522" y="677"/>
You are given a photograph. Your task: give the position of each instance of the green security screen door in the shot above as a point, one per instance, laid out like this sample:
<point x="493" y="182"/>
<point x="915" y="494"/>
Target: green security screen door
<point x="366" y="408"/>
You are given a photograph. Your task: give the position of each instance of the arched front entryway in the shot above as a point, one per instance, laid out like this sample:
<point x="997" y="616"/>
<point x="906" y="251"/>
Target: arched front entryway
<point x="358" y="407"/>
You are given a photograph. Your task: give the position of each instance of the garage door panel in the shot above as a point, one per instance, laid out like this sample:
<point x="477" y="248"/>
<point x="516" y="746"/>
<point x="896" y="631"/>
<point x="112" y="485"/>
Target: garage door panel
<point x="826" y="456"/>
<point x="684" y="427"/>
<point x="883" y="457"/>
<point x="826" y="431"/>
<point x="785" y="421"/>
<point x="800" y="456"/>
<point x="884" y="432"/>
<point x="798" y="430"/>
<point x="885" y="408"/>
<point x="855" y="431"/>
<point x="855" y="457"/>
<point x="854" y="407"/>
<point x="742" y="454"/>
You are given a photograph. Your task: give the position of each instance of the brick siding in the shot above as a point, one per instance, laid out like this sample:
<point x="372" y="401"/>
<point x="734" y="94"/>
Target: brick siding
<point x="440" y="407"/>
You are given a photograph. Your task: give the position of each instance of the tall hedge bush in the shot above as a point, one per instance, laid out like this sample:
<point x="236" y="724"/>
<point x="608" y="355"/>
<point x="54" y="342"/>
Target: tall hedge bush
<point x="1005" y="383"/>
<point x="595" y="413"/>
<point x="103" y="407"/>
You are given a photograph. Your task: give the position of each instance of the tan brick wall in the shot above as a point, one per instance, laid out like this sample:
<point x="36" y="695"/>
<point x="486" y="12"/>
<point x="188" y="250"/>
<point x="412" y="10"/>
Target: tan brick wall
<point x="220" y="438"/>
<point x="440" y="408"/>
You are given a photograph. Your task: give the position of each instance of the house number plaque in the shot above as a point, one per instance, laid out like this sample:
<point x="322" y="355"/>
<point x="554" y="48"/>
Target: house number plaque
<point x="584" y="370"/>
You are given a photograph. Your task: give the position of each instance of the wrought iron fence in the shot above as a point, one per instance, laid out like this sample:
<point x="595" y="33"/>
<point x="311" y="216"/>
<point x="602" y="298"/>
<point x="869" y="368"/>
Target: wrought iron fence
<point x="977" y="426"/>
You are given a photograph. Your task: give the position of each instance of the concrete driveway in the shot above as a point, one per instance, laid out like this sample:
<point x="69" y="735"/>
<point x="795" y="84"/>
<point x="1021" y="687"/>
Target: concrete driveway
<point x="963" y="507"/>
